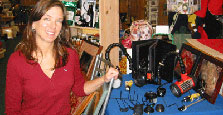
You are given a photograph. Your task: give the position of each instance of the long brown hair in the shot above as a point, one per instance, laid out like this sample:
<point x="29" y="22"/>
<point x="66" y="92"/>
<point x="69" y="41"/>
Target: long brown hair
<point x="28" y="44"/>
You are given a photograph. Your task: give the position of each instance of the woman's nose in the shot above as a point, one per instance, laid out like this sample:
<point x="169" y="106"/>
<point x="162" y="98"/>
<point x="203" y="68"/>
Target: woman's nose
<point x="52" y="24"/>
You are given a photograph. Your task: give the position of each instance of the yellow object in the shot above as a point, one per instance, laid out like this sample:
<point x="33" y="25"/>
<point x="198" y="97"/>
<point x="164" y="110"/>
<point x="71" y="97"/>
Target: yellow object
<point x="192" y="18"/>
<point x="8" y="31"/>
<point x="123" y="65"/>
<point x="128" y="83"/>
<point x="86" y="30"/>
<point x="194" y="96"/>
<point x="2" y="52"/>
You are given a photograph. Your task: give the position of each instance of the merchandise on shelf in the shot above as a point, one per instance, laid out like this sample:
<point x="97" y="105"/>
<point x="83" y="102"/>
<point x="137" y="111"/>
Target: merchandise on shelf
<point x="2" y="53"/>
<point x="96" y="18"/>
<point x="89" y="14"/>
<point x="71" y="11"/>
<point x="77" y="40"/>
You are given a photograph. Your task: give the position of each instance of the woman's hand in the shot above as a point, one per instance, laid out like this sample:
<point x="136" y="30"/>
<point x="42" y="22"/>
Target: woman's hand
<point x="92" y="85"/>
<point x="112" y="73"/>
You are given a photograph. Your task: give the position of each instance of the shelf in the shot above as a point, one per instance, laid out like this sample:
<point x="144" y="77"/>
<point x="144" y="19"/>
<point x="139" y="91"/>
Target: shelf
<point x="109" y="27"/>
<point x="87" y="30"/>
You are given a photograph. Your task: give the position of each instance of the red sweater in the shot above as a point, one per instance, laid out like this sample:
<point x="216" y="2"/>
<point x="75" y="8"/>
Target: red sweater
<point x="30" y="92"/>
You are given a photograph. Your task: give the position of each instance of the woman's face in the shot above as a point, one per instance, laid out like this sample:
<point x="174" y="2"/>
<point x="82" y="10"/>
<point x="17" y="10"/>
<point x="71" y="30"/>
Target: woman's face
<point x="49" y="26"/>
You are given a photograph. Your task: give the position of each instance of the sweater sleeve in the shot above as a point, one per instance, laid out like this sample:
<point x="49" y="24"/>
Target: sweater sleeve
<point x="78" y="87"/>
<point x="13" y="93"/>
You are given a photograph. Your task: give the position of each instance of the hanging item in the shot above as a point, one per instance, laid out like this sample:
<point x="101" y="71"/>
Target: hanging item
<point x="183" y="6"/>
<point x="71" y="11"/>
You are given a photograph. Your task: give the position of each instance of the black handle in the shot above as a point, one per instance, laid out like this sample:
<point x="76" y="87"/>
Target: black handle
<point x="107" y="52"/>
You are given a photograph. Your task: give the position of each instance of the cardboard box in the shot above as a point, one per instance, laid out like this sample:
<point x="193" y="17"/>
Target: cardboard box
<point x="2" y="52"/>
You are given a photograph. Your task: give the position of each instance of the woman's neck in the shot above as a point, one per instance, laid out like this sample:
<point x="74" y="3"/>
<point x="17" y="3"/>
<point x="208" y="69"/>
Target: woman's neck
<point x="44" y="51"/>
<point x="46" y="58"/>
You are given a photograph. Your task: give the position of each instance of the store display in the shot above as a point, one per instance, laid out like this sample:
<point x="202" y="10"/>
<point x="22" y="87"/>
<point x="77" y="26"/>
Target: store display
<point x="205" y="66"/>
<point x="169" y="104"/>
<point x="86" y="21"/>
<point x="147" y="55"/>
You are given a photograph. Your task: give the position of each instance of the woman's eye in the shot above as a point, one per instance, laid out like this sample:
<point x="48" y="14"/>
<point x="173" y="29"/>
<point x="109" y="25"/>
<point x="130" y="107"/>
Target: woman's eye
<point x="60" y="21"/>
<point x="46" y="19"/>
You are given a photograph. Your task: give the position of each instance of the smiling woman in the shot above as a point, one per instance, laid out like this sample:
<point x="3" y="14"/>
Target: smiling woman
<point x="49" y="26"/>
<point x="45" y="68"/>
<point x="46" y="31"/>
<point x="46" y="23"/>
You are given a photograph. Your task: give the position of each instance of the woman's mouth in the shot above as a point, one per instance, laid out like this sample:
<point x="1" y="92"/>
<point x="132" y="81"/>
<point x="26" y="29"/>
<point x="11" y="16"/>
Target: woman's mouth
<point x="50" y="33"/>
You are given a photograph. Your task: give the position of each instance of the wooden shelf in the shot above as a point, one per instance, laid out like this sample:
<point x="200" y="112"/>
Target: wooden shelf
<point x="87" y="30"/>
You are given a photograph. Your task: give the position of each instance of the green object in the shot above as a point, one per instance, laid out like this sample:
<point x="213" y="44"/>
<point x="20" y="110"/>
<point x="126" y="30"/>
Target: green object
<point x="179" y="39"/>
<point x="71" y="11"/>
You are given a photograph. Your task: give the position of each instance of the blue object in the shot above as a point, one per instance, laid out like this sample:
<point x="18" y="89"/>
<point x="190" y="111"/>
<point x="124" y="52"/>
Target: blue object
<point x="121" y="33"/>
<point x="137" y="94"/>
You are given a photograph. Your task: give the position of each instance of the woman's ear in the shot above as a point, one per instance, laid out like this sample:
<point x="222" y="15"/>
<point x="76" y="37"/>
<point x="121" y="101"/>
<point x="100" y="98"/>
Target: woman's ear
<point x="33" y="26"/>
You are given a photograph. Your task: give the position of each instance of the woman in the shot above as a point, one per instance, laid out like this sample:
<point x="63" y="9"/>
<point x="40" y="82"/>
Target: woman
<point x="45" y="68"/>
